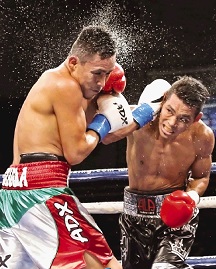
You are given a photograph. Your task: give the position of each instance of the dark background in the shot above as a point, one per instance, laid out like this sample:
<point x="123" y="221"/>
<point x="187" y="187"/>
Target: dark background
<point x="156" y="39"/>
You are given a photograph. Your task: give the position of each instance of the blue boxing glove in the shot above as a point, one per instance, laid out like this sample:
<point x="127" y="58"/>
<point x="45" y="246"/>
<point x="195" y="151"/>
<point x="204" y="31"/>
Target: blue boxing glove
<point x="150" y="101"/>
<point x="113" y="113"/>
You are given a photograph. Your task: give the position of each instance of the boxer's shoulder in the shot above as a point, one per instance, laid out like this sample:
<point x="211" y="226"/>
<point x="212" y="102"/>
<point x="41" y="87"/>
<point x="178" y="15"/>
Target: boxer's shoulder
<point x="201" y="132"/>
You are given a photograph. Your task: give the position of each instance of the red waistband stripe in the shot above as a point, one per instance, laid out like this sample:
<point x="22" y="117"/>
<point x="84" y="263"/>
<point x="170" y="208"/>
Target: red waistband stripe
<point x="35" y="175"/>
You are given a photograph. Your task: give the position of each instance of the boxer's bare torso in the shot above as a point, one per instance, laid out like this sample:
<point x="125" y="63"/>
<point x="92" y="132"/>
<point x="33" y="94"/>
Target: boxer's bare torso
<point x="56" y="95"/>
<point x="161" y="154"/>
<point x="155" y="163"/>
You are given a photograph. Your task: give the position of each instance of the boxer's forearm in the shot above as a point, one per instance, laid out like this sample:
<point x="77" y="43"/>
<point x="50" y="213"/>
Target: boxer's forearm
<point x="120" y="134"/>
<point x="199" y="185"/>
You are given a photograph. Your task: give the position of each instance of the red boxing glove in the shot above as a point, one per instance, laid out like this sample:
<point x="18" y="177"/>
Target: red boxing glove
<point x="178" y="208"/>
<point x="116" y="81"/>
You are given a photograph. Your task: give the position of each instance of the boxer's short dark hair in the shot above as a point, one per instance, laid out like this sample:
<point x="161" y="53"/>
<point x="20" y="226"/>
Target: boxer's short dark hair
<point x="191" y="91"/>
<point x="94" y="40"/>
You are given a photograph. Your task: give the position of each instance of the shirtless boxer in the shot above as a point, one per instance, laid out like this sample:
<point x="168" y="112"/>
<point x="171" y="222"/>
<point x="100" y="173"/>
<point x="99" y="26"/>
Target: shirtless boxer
<point x="169" y="164"/>
<point x="42" y="223"/>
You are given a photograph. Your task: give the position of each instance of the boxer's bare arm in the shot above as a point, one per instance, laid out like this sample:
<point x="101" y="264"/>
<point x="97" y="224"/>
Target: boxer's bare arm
<point x="120" y="134"/>
<point x="201" y="168"/>
<point x="52" y="119"/>
<point x="76" y="143"/>
<point x="149" y="103"/>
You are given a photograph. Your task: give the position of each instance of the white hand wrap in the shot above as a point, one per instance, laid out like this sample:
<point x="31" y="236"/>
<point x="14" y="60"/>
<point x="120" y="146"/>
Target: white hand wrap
<point x="194" y="195"/>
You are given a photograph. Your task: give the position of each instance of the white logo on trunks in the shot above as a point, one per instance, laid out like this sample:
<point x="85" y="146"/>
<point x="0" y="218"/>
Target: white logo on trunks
<point x="11" y="178"/>
<point x="3" y="261"/>
<point x="177" y="248"/>
<point x="124" y="247"/>
<point x="71" y="223"/>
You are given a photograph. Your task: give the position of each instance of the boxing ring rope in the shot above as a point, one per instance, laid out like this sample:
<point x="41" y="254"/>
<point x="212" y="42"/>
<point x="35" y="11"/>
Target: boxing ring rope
<point x="117" y="207"/>
<point x="113" y="207"/>
<point x="119" y="174"/>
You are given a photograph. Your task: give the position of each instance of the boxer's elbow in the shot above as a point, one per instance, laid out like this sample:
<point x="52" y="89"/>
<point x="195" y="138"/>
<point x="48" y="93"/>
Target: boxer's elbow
<point x="70" y="153"/>
<point x="79" y="151"/>
<point x="74" y="157"/>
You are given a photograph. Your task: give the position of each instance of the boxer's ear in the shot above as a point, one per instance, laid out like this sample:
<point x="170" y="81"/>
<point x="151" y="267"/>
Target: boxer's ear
<point x="73" y="60"/>
<point x="198" y="117"/>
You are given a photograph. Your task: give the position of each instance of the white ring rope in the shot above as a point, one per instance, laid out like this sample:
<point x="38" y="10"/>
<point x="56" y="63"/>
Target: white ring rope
<point x="117" y="207"/>
<point x="121" y="174"/>
<point x="104" y="207"/>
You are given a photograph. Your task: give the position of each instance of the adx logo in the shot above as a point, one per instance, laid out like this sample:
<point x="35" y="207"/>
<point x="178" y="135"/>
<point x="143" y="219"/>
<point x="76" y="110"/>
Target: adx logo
<point x="71" y="223"/>
<point x="122" y="113"/>
<point x="3" y="261"/>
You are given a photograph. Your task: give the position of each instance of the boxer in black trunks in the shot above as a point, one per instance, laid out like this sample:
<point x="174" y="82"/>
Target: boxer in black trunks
<point x="169" y="164"/>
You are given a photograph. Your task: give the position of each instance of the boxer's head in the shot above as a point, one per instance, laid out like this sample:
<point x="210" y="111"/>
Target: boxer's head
<point x="94" y="40"/>
<point x="92" y="58"/>
<point x="191" y="91"/>
<point x="181" y="106"/>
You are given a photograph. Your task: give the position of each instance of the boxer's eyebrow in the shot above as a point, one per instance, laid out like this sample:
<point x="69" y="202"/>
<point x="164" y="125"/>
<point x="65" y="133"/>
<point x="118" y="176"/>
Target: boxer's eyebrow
<point x="99" y="71"/>
<point x="186" y="116"/>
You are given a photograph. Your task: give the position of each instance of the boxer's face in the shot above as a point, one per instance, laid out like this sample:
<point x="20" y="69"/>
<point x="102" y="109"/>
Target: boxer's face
<point x="175" y="117"/>
<point x="93" y="74"/>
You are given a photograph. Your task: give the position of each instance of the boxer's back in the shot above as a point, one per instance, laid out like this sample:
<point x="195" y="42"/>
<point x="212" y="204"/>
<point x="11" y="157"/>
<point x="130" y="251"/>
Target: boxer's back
<point x="36" y="128"/>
